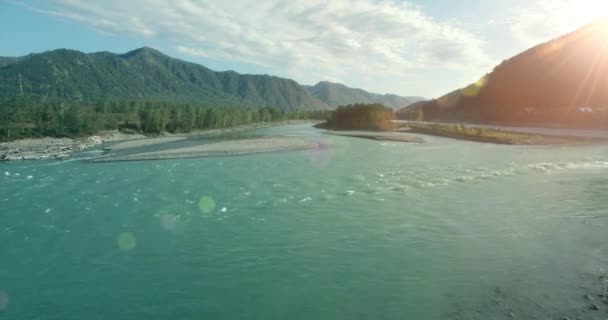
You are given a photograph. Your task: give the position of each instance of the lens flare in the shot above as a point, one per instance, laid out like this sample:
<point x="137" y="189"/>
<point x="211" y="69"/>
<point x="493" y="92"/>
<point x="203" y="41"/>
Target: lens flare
<point x="126" y="241"/>
<point x="3" y="300"/>
<point x="320" y="157"/>
<point x="206" y="205"/>
<point x="474" y="89"/>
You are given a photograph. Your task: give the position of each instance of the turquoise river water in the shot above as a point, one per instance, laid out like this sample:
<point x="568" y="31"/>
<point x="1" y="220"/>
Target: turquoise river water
<point x="357" y="229"/>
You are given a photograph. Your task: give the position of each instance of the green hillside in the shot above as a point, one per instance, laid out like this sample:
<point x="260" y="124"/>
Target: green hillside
<point x="144" y="74"/>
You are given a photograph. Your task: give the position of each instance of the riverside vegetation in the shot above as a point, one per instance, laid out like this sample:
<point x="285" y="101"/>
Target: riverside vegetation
<point x="477" y="134"/>
<point x="375" y="117"/>
<point x="379" y="123"/>
<point x="21" y="118"/>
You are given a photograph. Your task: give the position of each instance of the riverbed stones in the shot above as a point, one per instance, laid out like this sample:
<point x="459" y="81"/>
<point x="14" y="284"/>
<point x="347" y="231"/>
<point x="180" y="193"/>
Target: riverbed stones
<point x="55" y="148"/>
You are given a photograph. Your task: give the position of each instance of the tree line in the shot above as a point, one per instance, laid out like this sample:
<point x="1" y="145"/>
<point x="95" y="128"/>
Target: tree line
<point x="22" y="118"/>
<point x="361" y="117"/>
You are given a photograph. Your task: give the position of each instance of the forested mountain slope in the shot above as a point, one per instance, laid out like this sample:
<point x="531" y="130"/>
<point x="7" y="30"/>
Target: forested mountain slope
<point x="144" y="74"/>
<point x="561" y="82"/>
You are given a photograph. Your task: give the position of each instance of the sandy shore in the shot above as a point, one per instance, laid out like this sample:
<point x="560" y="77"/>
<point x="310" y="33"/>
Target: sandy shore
<point x="56" y="148"/>
<point x="224" y="148"/>
<point x="379" y="135"/>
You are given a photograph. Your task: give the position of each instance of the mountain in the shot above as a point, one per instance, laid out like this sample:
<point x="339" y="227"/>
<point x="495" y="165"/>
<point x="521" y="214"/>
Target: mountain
<point x="144" y="74"/>
<point x="562" y="82"/>
<point x="5" y="61"/>
<point x="335" y="95"/>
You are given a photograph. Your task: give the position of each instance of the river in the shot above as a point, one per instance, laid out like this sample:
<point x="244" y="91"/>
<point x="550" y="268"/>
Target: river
<point x="357" y="229"/>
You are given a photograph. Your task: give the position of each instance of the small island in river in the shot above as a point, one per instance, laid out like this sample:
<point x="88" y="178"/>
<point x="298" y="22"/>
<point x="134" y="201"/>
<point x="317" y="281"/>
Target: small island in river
<point x="369" y="117"/>
<point x="366" y="121"/>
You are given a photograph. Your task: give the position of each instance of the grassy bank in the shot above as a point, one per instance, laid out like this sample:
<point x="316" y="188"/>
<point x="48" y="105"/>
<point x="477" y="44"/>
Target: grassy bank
<point x="490" y="135"/>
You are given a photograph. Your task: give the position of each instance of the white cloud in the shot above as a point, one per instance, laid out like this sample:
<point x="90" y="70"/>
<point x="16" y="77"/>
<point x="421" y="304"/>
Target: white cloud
<point x="369" y="43"/>
<point x="544" y="20"/>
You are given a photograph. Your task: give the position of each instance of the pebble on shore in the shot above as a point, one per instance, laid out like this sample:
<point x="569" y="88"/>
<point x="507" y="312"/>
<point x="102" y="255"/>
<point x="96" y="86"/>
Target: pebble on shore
<point x="62" y="148"/>
<point x="56" y="148"/>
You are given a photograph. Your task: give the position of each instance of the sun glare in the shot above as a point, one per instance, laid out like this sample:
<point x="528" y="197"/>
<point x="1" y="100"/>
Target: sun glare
<point x="600" y="30"/>
<point x="584" y="11"/>
<point x="592" y="10"/>
<point x="603" y="26"/>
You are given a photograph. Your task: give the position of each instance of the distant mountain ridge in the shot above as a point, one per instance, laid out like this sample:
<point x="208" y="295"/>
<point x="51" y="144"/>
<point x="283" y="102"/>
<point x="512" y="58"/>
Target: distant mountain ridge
<point x="147" y="73"/>
<point x="560" y="82"/>
<point x="336" y="94"/>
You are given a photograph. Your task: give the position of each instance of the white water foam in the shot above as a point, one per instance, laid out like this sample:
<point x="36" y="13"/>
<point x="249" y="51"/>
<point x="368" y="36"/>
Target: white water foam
<point x="548" y="167"/>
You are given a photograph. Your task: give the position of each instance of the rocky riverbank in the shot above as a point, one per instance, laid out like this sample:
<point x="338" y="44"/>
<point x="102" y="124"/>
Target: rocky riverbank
<point x="56" y="148"/>
<point x="62" y="148"/>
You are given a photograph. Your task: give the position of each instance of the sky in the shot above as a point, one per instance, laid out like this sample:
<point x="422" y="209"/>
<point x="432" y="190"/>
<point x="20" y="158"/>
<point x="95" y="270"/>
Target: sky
<point x="416" y="47"/>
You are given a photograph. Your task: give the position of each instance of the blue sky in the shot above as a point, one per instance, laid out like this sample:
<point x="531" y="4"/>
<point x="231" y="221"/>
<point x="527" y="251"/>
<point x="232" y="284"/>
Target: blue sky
<point x="416" y="47"/>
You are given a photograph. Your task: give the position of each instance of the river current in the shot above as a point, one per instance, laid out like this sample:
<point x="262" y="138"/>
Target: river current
<point x="356" y="229"/>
